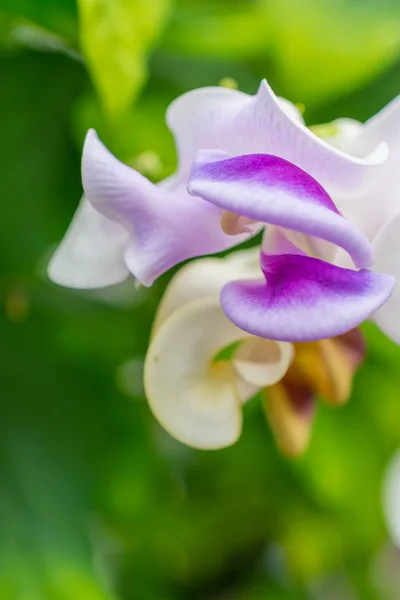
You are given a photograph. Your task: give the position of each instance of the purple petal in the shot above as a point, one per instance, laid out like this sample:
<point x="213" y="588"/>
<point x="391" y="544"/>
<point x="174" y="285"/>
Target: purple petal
<point x="269" y="189"/>
<point x="304" y="299"/>
<point x="166" y="225"/>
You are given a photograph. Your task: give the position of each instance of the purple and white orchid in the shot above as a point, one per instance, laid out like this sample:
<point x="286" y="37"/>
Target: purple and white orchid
<point x="278" y="173"/>
<point x="200" y="369"/>
<point x="246" y="163"/>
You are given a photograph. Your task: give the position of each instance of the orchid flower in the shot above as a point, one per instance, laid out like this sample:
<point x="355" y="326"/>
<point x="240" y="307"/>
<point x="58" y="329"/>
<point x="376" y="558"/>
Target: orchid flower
<point x="245" y="163"/>
<point x="197" y="392"/>
<point x="126" y="224"/>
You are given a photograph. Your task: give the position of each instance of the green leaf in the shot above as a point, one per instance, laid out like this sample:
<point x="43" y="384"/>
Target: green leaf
<point x="116" y="36"/>
<point x="57" y="16"/>
<point x="41" y="181"/>
<point x="311" y="50"/>
<point x="328" y="48"/>
<point x="208" y="28"/>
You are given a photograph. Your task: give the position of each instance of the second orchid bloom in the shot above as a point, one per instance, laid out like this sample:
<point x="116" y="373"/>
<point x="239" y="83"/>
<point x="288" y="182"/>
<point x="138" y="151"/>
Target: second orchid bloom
<point x="282" y="317"/>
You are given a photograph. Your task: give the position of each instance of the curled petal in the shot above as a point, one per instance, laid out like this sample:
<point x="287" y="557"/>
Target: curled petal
<point x="290" y="409"/>
<point x="91" y="254"/>
<point x="112" y="187"/>
<point x="195" y="399"/>
<point x="304" y="299"/>
<point x="204" y="118"/>
<point x="262" y="362"/>
<point x="166" y="225"/>
<point x="272" y="190"/>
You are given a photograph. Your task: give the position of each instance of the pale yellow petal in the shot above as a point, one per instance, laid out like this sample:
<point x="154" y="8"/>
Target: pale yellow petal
<point x="262" y="362"/>
<point x="326" y="367"/>
<point x="290" y="412"/>
<point x="195" y="399"/>
<point x="341" y="133"/>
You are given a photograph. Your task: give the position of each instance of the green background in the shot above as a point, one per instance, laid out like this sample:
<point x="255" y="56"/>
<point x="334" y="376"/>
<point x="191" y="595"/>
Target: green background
<point x="96" y="501"/>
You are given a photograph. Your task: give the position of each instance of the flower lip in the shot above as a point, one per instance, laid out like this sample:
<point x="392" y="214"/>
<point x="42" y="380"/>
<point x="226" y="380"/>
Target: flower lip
<point x="304" y="299"/>
<point x="273" y="190"/>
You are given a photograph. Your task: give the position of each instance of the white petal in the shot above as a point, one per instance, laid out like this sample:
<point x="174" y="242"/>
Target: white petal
<point x="371" y="210"/>
<point x="342" y="134"/>
<point x="195" y="400"/>
<point x="262" y="362"/>
<point x="387" y="260"/>
<point x="290" y="413"/>
<point x="228" y="120"/>
<point x="391" y="498"/>
<point x="381" y="203"/>
<point x="291" y="110"/>
<point x="205" y="277"/>
<point x="91" y="254"/>
<point x="384" y="126"/>
<point x="202" y="119"/>
<point x="340" y="173"/>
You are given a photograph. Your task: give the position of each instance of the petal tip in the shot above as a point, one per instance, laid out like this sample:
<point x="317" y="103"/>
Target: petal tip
<point x="90" y="138"/>
<point x="305" y="299"/>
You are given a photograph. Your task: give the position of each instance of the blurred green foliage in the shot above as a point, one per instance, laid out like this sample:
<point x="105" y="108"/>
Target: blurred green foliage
<point x="128" y="27"/>
<point x="96" y="501"/>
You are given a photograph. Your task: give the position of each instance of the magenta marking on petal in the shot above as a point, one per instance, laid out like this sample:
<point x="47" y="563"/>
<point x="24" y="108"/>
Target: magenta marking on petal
<point x="272" y="190"/>
<point x="268" y="170"/>
<point x="304" y="299"/>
